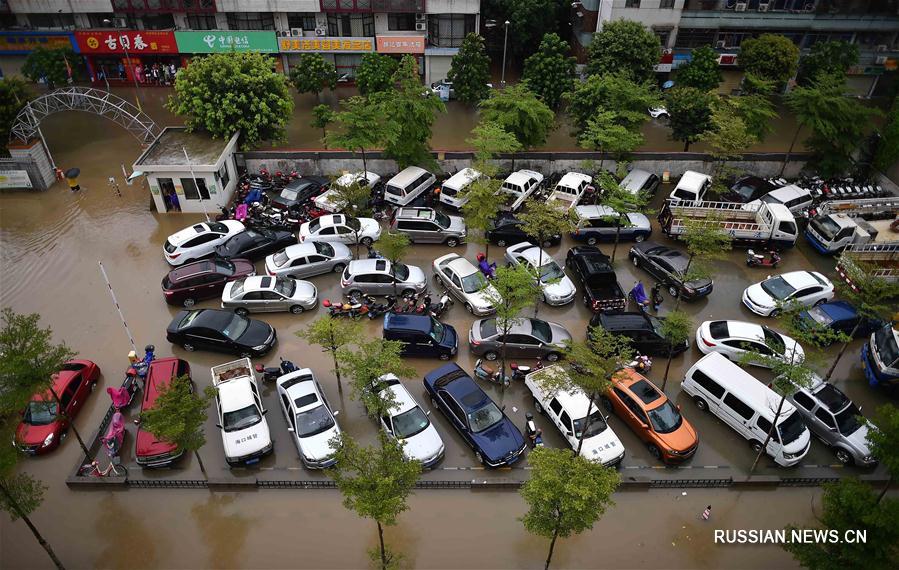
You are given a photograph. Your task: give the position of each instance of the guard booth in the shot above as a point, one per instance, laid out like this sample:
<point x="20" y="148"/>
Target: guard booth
<point x="189" y="172"/>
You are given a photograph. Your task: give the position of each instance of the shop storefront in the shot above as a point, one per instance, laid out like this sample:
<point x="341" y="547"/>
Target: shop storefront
<point x="15" y="47"/>
<point x="402" y="45"/>
<point x="149" y="56"/>
<point x="345" y="53"/>
<point x="213" y="41"/>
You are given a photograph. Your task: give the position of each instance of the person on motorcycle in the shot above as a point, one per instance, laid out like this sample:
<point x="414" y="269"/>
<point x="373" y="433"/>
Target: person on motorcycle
<point x="656" y="296"/>
<point x="531" y="430"/>
<point x="488" y="269"/>
<point x="638" y="295"/>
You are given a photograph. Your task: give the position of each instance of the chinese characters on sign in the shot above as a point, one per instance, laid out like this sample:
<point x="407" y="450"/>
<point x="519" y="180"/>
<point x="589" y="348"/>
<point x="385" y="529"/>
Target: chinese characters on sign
<point x="25" y="42"/>
<point x="325" y="44"/>
<point x="212" y="41"/>
<point x="401" y="44"/>
<point x="119" y="41"/>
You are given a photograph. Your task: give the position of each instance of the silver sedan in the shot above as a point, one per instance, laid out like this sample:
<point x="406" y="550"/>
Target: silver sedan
<point x="527" y="338"/>
<point x="266" y="294"/>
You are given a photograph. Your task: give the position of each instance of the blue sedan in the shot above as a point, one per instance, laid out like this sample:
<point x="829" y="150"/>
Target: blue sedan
<point x="840" y="317"/>
<point x="481" y="423"/>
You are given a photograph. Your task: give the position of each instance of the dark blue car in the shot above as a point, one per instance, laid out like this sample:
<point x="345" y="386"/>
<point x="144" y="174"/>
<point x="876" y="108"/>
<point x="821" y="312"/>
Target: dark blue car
<point x="421" y="335"/>
<point x="839" y="316"/>
<point x="495" y="439"/>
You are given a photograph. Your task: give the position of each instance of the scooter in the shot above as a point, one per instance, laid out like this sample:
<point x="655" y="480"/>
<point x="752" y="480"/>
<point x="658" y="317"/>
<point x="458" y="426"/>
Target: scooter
<point x="642" y="364"/>
<point x="519" y="371"/>
<point x="489" y="373"/>
<point x="437" y="309"/>
<point x="375" y="310"/>
<point x="114" y="437"/>
<point x="754" y="259"/>
<point x="533" y="433"/>
<point x="274" y="372"/>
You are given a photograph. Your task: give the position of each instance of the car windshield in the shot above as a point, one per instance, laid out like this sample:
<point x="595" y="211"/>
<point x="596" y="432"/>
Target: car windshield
<point x="596" y="427"/>
<point x="484" y="417"/>
<point x="684" y="194"/>
<point x="353" y="224"/>
<point x="324" y="248"/>
<point x="541" y="330"/>
<point x="825" y="226"/>
<point x="474" y="282"/>
<point x="393" y="190"/>
<point x="40" y="412"/>
<point x="218" y="228"/>
<point x="280" y="258"/>
<point x="448" y="191"/>
<point x="847" y="420"/>
<point x="169" y="248"/>
<point x="242" y="418"/>
<point x="442" y="219"/>
<point x="290" y="194"/>
<point x="665" y="418"/>
<point x="820" y="316"/>
<point x="238" y="288"/>
<point x="791" y="428"/>
<point x="401" y="271"/>
<point x="315" y="225"/>
<point x="656" y="325"/>
<point x="285" y="286"/>
<point x="314" y="421"/>
<point x="744" y="192"/>
<point x="551" y="272"/>
<point x="437" y="330"/>
<point x="778" y="288"/>
<point x="774" y="340"/>
<point x="409" y="423"/>
<point x="236" y="327"/>
<point x="225" y="267"/>
<point x="488" y="328"/>
<point x="887" y="348"/>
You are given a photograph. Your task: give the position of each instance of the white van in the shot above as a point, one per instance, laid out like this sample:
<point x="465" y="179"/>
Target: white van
<point x="793" y="197"/>
<point x="748" y="406"/>
<point x="691" y="187"/>
<point x="455" y="186"/>
<point x="408" y="185"/>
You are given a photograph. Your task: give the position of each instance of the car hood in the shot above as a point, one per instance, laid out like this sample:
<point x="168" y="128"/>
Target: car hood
<point x="246" y="441"/>
<point x="482" y="298"/>
<point x="317" y="447"/>
<point x="424" y="445"/>
<point x="790" y="346"/>
<point x="369" y="226"/>
<point x="681" y="439"/>
<point x="758" y="296"/>
<point x="257" y="333"/>
<point x="147" y="445"/>
<point x="303" y="231"/>
<point x="451" y="337"/>
<point x="603" y="447"/>
<point x="416" y="275"/>
<point x="243" y="268"/>
<point x="457" y="225"/>
<point x="563" y="288"/>
<point x="305" y="291"/>
<point x="859" y="440"/>
<point x="27" y="434"/>
<point x="499" y="441"/>
<point x="559" y="334"/>
<point x="639" y="221"/>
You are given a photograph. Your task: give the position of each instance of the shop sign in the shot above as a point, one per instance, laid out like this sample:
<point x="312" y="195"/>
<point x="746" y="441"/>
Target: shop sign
<point x="15" y="179"/>
<point x="118" y="41"/>
<point x="661" y="67"/>
<point x="218" y="42"/>
<point x="26" y="42"/>
<point x="401" y="44"/>
<point x="346" y="45"/>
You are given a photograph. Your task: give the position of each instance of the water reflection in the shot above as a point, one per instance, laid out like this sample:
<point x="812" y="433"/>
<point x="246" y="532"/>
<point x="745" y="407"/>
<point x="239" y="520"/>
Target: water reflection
<point x="223" y="529"/>
<point x="127" y="542"/>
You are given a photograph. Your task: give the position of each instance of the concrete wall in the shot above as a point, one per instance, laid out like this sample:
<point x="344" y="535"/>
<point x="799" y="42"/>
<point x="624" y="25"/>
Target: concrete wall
<point x="64" y="6"/>
<point x="34" y="158"/>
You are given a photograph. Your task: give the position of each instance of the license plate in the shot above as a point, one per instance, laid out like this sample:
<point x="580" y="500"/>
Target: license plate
<point x="252" y="461"/>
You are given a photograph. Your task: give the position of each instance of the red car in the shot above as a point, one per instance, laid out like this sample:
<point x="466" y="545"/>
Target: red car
<point x="43" y="427"/>
<point x="192" y="282"/>
<point x="149" y="451"/>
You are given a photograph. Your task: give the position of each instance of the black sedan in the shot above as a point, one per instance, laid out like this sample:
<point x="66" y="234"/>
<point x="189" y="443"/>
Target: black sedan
<point x="221" y="331"/>
<point x="507" y="231"/>
<point x="255" y="244"/>
<point x="747" y="189"/>
<point x="299" y="191"/>
<point x="668" y="266"/>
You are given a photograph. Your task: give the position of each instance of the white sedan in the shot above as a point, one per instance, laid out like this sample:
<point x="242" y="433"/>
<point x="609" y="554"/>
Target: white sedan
<point x="326" y="201"/>
<point x="465" y="282"/>
<point x="557" y="287"/>
<point x="734" y="339"/>
<point x="199" y="241"/>
<point x="310" y="419"/>
<point x="342" y="229"/>
<point x="267" y="294"/>
<point x="408" y="423"/>
<point x="807" y="288"/>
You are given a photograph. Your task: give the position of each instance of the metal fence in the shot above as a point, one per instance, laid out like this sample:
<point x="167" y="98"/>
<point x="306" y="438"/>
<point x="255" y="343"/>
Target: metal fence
<point x="689" y="483"/>
<point x="168" y="483"/>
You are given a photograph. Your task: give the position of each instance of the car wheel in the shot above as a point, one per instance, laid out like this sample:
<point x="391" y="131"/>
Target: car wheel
<point x="673" y="291"/>
<point x="188" y="347"/>
<point x="539" y="407"/>
<point x="469" y="308"/>
<point x="607" y="404"/>
<point x="591" y="241"/>
<point x="547" y="244"/>
<point x="339" y="268"/>
<point x="701" y="404"/>
<point x="501" y="243"/>
<point x="844" y="457"/>
<point x="819" y="302"/>
<point x="639" y="237"/>
<point x="452" y="242"/>
<point x="774" y="314"/>
<point x="655" y="452"/>
<point x="241" y="311"/>
<point x="491" y="356"/>
<point x="479" y="457"/>
<point x="635" y="261"/>
<point x="366" y="241"/>
<point x="354" y="293"/>
<point x="296" y="309"/>
<point x="407" y="292"/>
<point x="188" y="303"/>
<point x="756" y="446"/>
<point x="552" y="357"/>
<point x="444" y="356"/>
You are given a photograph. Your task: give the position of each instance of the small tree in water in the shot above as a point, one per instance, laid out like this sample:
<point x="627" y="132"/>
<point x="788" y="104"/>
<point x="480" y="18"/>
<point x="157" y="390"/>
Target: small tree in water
<point x="622" y="201"/>
<point x="366" y="364"/>
<point x="361" y="124"/>
<point x="394" y="247"/>
<point x="677" y="327"/>
<point x="884" y="441"/>
<point x="322" y="116"/>
<point x="543" y="221"/>
<point x="483" y="202"/>
<point x="333" y="335"/>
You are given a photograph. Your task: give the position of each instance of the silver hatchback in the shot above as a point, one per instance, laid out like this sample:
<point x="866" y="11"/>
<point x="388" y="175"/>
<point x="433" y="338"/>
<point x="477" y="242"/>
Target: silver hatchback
<point x="374" y="277"/>
<point x="427" y="225"/>
<point x="266" y="294"/>
<point x="308" y="259"/>
<point x="527" y="338"/>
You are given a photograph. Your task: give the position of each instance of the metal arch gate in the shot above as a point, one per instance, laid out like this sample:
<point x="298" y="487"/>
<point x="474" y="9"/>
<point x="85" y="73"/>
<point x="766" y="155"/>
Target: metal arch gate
<point x="89" y="100"/>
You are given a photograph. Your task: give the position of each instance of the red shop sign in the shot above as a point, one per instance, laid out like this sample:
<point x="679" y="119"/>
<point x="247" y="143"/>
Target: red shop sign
<point x="118" y="41"/>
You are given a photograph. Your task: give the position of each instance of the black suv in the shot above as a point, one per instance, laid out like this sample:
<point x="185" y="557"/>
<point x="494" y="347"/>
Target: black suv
<point x="594" y="270"/>
<point x="299" y="191"/>
<point x="644" y="331"/>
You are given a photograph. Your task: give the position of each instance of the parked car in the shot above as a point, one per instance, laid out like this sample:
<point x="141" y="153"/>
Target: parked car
<point x="299" y="191"/>
<point x="601" y="443"/>
<point x="409" y="424"/>
<point x="421" y="335"/>
<point x="838" y="316"/>
<point x="507" y="229"/>
<point x="692" y="187"/>
<point x="266" y="294"/>
<point x="446" y="84"/>
<point x="668" y="266"/>
<point x="838" y="422"/>
<point x="408" y="185"/>
<point x="658" y="113"/>
<point x="807" y="288"/>
<point x="643" y="331"/>
<point x="325" y="201"/>
<point x="45" y="421"/>
<point x="376" y="277"/>
<point x="594" y="270"/>
<point x="452" y="191"/>
<point x="481" y="423"/>
<point x="199" y="241"/>
<point x="793" y="197"/>
<point x="310" y="419"/>
<point x="341" y="228"/>
<point x="518" y="187"/>
<point x="557" y="287"/>
<point x="527" y="338"/>
<point x="253" y="244"/>
<point x="309" y="259"/>
<point x="149" y="450"/>
<point x="246" y="437"/>
<point x="427" y="225"/>
<point x="570" y="189"/>
<point x="640" y="181"/>
<point x="734" y="339"/>
<point x="466" y="283"/>
<point x="602" y="223"/>
<point x="192" y="282"/>
<point x="652" y="416"/>
<point x="220" y="331"/>
<point x="747" y="189"/>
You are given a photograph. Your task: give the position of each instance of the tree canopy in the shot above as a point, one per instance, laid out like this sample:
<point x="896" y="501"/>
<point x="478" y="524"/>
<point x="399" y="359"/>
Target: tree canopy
<point x="549" y="72"/>
<point x="312" y="73"/>
<point x="888" y="151"/>
<point x="615" y="93"/>
<point x="375" y="73"/>
<point x="50" y="65"/>
<point x="529" y="21"/>
<point x="690" y="112"/>
<point x="517" y="110"/>
<point x="829" y="58"/>
<point x="362" y="123"/>
<point x="15" y="93"/>
<point x="470" y="70"/>
<point x="770" y="56"/>
<point x="702" y="71"/>
<point x="624" y="46"/>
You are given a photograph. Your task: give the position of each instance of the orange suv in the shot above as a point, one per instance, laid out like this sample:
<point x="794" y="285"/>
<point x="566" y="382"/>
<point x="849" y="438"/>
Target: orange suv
<point x="652" y="416"/>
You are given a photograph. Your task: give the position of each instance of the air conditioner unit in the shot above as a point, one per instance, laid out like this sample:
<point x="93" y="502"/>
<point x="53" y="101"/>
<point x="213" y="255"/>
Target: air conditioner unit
<point x="720" y="44"/>
<point x="321" y="31"/>
<point x="421" y="27"/>
<point x="741" y="7"/>
<point x="880" y="60"/>
<point x="282" y="34"/>
<point x="763" y="7"/>
<point x="120" y="22"/>
<point x="296" y="32"/>
<point x="421" y="17"/>
<point x="881" y="47"/>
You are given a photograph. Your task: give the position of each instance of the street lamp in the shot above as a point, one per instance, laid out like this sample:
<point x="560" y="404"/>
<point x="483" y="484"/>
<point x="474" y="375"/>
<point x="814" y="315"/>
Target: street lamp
<point x="502" y="81"/>
<point x="107" y="21"/>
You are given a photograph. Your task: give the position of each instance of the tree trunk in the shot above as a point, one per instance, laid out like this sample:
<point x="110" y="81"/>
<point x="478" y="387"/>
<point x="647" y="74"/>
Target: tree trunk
<point x="200" y="461"/>
<point x="842" y="350"/>
<point x="770" y="433"/>
<point x="679" y="296"/>
<point x="587" y="422"/>
<point x="383" y="550"/>
<point x="364" y="165"/>
<point x="668" y="365"/>
<point x="885" y="489"/>
<point x="539" y="282"/>
<point x="486" y="248"/>
<point x="37" y="535"/>
<point x="337" y="368"/>
<point x="790" y="151"/>
<point x="552" y="543"/>
<point x="617" y="237"/>
<point x="686" y="146"/>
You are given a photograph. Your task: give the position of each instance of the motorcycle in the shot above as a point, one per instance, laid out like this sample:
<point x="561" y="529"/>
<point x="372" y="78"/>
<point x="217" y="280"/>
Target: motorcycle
<point x="274" y="372"/>
<point x="352" y="310"/>
<point x="754" y="259"/>
<point x="487" y="372"/>
<point x="519" y="371"/>
<point x="642" y="364"/>
<point x="114" y="437"/>
<point x="533" y="433"/>
<point x="375" y="310"/>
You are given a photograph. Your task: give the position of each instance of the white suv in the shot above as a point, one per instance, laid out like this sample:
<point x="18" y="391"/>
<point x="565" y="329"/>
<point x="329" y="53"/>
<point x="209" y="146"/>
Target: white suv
<point x="241" y="417"/>
<point x="199" y="241"/>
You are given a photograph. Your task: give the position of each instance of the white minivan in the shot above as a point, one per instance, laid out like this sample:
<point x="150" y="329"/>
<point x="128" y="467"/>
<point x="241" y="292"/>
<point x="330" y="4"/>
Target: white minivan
<point x="793" y="197"/>
<point x="408" y="185"/>
<point x="748" y="406"/>
<point x="453" y="190"/>
<point x="691" y="187"/>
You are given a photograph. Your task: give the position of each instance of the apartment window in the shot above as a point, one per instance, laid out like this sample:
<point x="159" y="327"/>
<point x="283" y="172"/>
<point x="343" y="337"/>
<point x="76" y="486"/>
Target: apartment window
<point x="164" y="5"/>
<point x="346" y="5"/>
<point x="694" y="37"/>
<point x="96" y="20"/>
<point x="159" y="21"/>
<point x="251" y="21"/>
<point x="51" y="20"/>
<point x="195" y="191"/>
<point x="666" y="4"/>
<point x="304" y="20"/>
<point x="351" y="25"/>
<point x="631" y="3"/>
<point x="664" y="36"/>
<point x="400" y="22"/>
<point x="448" y="30"/>
<point x="201" y="22"/>
<point x="223" y="177"/>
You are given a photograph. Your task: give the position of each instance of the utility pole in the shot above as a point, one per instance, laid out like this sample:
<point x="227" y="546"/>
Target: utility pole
<point x="190" y="166"/>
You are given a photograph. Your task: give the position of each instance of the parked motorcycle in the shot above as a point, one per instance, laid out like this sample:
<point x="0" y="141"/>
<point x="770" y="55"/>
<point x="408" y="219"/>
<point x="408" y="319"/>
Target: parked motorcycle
<point x="487" y="372"/>
<point x="272" y="373"/>
<point x="754" y="259"/>
<point x="533" y="433"/>
<point x="642" y="364"/>
<point x="352" y="310"/>
<point x="375" y="310"/>
<point x="114" y="437"/>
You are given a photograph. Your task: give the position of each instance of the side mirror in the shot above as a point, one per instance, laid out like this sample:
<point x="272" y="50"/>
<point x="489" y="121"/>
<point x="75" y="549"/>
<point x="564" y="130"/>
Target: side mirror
<point x="218" y="426"/>
<point x="568" y="433"/>
<point x="264" y="412"/>
<point x="428" y="413"/>
<point x="678" y="407"/>
<point x="336" y="413"/>
<point x="503" y="409"/>
<point x="289" y="429"/>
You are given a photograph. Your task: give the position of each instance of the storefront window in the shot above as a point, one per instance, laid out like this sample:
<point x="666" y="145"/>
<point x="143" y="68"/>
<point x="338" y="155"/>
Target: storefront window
<point x="351" y="25"/>
<point x="448" y="30"/>
<point x="695" y="37"/>
<point x="303" y="20"/>
<point x="201" y="21"/>
<point x="158" y="21"/>
<point x="347" y="63"/>
<point x="96" y="20"/>
<point x="191" y="189"/>
<point x="251" y="21"/>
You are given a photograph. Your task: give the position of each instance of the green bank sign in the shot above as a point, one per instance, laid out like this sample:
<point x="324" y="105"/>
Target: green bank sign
<point x="217" y="42"/>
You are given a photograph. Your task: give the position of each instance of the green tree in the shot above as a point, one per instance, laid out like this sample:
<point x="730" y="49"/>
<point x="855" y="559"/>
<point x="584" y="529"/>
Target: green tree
<point x="15" y="93"/>
<point x="529" y="20"/>
<point x="394" y="247"/>
<point x="542" y="221"/>
<point x="677" y="328"/>
<point x="770" y="56"/>
<point x="513" y="290"/>
<point x="728" y="136"/>
<point x="624" y="46"/>
<point x="888" y="149"/>
<point x="622" y="201"/>
<point x="224" y="93"/>
<point x="615" y="93"/>
<point x="412" y="108"/>
<point x="756" y="109"/>
<point x="362" y="123"/>
<point x="884" y="441"/>
<point x="312" y="73"/>
<point x="178" y="416"/>
<point x="352" y="199"/>
<point x="690" y="112"/>
<point x="371" y="360"/>
<point x="566" y="494"/>
<point x="333" y="335"/>
<point x="489" y="140"/>
<point x="850" y="505"/>
<point x="518" y="111"/>
<point x="829" y="58"/>
<point x="375" y="73"/>
<point x="549" y="72"/>
<point x="20" y="495"/>
<point x="702" y="71"/>
<point x="322" y="116"/>
<point x="49" y="65"/>
<point x="483" y="201"/>
<point x="605" y="133"/>
<point x="375" y="483"/>
<point x="837" y="121"/>
<point x="470" y="70"/>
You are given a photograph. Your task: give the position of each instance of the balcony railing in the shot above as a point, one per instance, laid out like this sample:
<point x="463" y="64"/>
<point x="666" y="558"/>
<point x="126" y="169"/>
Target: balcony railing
<point x="369" y="6"/>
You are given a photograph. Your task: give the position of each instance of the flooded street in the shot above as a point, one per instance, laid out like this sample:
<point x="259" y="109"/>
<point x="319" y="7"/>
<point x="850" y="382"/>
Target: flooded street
<point x="50" y="244"/>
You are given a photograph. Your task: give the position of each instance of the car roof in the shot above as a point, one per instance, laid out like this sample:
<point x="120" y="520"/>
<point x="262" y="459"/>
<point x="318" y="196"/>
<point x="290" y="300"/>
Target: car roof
<point x="787" y="193"/>
<point x="692" y="180"/>
<point x="462" y="178"/>
<point x="742" y="384"/>
<point x="635" y="179"/>
<point x="624" y="321"/>
<point x="211" y="318"/>
<point x="596" y="211"/>
<point x="184" y="235"/>
<point x="459" y="384"/>
<point x="407" y="176"/>
<point x="839" y="310"/>
<point x="304" y="181"/>
<point x="574" y="179"/>
<point x="299" y="384"/>
<point x="351" y="177"/>
<point x="259" y="283"/>
<point x="574" y="401"/>
<point x="369" y="266"/>
<point x="462" y="266"/>
<point x="235" y="393"/>
<point x="799" y="279"/>
<point x="403" y="400"/>
<point x="519" y="177"/>
<point x="416" y="213"/>
<point x="401" y="321"/>
<point x="594" y="261"/>
<point x="331" y="220"/>
<point x="532" y="255"/>
<point x="742" y="329"/>
<point x="191" y="269"/>
<point x="629" y="378"/>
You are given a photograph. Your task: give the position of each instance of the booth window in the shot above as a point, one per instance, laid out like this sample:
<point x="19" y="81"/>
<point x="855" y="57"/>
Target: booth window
<point x="223" y="177"/>
<point x="195" y="191"/>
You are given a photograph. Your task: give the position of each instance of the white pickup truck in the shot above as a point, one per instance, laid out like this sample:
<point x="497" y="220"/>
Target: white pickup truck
<point x="570" y="189"/>
<point x="518" y="187"/>
<point x="241" y="417"/>
<point x="760" y="223"/>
